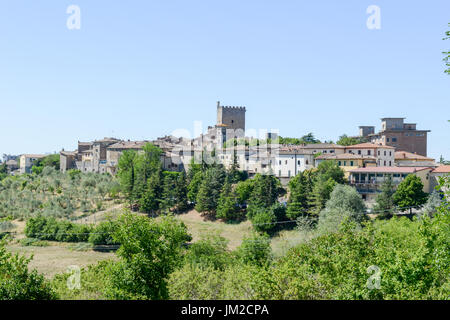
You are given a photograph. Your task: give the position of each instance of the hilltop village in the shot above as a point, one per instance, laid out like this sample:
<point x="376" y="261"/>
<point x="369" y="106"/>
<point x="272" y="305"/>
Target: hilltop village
<point x="398" y="149"/>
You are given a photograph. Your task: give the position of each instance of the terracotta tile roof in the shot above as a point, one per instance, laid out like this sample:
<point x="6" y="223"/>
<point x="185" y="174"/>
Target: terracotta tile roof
<point x="34" y="155"/>
<point x="442" y="169"/>
<point x="344" y="156"/>
<point x="128" y="145"/>
<point x="404" y="155"/>
<point x="368" y="145"/>
<point x="322" y="146"/>
<point x="389" y="169"/>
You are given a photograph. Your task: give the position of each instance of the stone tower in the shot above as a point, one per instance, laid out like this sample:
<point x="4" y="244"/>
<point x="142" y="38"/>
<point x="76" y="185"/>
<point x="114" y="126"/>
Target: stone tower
<point x="231" y="117"/>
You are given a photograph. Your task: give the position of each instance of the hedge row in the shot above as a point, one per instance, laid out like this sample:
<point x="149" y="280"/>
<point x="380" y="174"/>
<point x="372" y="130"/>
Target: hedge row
<point x="49" y="228"/>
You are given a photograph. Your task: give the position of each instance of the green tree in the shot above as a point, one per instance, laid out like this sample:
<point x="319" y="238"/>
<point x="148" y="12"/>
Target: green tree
<point x="150" y="200"/>
<point x="410" y="193"/>
<point x="181" y="193"/>
<point x="194" y="186"/>
<point x="17" y="282"/>
<point x="344" y="203"/>
<point x="263" y="219"/>
<point x="3" y="171"/>
<point x="227" y="205"/>
<point x="48" y="161"/>
<point x="384" y="202"/>
<point x="150" y="250"/>
<point x="127" y="172"/>
<point x="328" y="174"/>
<point x="168" y="196"/>
<point x="147" y="163"/>
<point x="255" y="250"/>
<point x="243" y="190"/>
<point x="432" y="205"/>
<point x="210" y="189"/>
<point x="210" y="251"/>
<point x="345" y="140"/>
<point x="266" y="189"/>
<point x="300" y="188"/>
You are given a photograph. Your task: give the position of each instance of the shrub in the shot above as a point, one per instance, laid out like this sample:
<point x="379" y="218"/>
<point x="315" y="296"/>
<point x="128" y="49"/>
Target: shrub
<point x="17" y="282"/>
<point x="48" y="228"/>
<point x="103" y="234"/>
<point x="255" y="250"/>
<point x="33" y="242"/>
<point x="263" y="220"/>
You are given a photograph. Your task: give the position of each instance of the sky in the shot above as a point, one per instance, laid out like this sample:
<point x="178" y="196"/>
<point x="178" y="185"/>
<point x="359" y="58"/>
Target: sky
<point x="144" y="69"/>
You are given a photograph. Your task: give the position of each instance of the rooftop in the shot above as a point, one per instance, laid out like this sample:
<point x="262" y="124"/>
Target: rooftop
<point x="389" y="169"/>
<point x="442" y="169"/>
<point x="34" y="155"/>
<point x="128" y="145"/>
<point x="344" y="156"/>
<point x="368" y="145"/>
<point x="405" y="155"/>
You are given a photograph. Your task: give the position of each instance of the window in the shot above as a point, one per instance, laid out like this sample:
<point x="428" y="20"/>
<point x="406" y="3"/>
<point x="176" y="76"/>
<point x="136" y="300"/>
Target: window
<point x="390" y="153"/>
<point x="279" y="162"/>
<point x="307" y="162"/>
<point x="359" y="151"/>
<point x="351" y="163"/>
<point x="339" y="162"/>
<point x="378" y="152"/>
<point x="368" y="152"/>
<point x="394" y="139"/>
<point x="390" y="163"/>
<point x="279" y="173"/>
<point x="298" y="162"/>
<point x="285" y="162"/>
<point x="289" y="173"/>
<point x="384" y="153"/>
<point x="387" y="139"/>
<point x="345" y="163"/>
<point x="385" y="163"/>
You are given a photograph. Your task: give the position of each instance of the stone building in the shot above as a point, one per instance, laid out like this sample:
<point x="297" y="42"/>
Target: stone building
<point x="368" y="181"/>
<point x="400" y="135"/>
<point x="231" y="117"/>
<point x="384" y="155"/>
<point x="27" y="161"/>
<point x="408" y="159"/>
<point x="436" y="174"/>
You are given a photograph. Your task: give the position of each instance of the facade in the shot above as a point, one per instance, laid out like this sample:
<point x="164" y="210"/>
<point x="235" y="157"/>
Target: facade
<point x="114" y="151"/>
<point x="436" y="174"/>
<point x="27" y="161"/>
<point x="368" y="181"/>
<point x="291" y="160"/>
<point x="11" y="165"/>
<point x="408" y="159"/>
<point x="231" y="117"/>
<point x="402" y="136"/>
<point x="364" y="131"/>
<point x="348" y="161"/>
<point x="384" y="155"/>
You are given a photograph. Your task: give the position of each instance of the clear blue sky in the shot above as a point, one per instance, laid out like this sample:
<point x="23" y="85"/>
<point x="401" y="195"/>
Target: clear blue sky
<point x="142" y="69"/>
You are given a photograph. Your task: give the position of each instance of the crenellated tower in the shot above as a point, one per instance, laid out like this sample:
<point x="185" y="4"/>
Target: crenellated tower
<point x="231" y="117"/>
